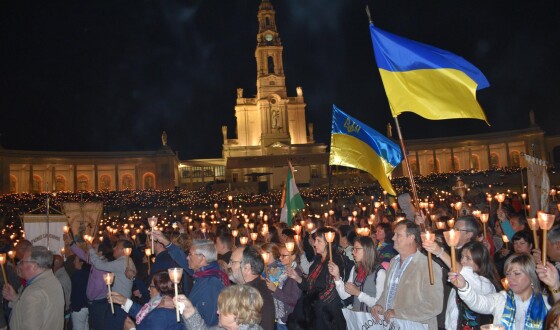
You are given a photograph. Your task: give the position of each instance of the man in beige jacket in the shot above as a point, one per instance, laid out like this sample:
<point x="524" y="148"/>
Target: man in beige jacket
<point x="408" y="294"/>
<point x="40" y="306"/>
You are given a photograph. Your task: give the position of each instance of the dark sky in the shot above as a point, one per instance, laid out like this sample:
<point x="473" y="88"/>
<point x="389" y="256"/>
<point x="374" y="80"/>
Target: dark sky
<point x="100" y="75"/>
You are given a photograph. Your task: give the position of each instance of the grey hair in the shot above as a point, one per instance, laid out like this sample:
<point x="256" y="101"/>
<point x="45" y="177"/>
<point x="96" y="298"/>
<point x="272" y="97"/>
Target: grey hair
<point x="528" y="266"/>
<point x="205" y="247"/>
<point x="42" y="256"/>
<point x="554" y="234"/>
<point x="471" y="224"/>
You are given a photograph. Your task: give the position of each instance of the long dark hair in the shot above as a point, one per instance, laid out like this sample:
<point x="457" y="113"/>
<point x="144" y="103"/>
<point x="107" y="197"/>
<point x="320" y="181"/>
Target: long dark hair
<point x="486" y="267"/>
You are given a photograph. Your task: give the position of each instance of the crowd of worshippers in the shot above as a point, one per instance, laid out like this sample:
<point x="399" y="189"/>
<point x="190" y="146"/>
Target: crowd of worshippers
<point x="291" y="277"/>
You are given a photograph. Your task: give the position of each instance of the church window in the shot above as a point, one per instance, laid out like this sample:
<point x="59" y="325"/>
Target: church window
<point x="514" y="155"/>
<point x="494" y="160"/>
<point x="475" y="162"/>
<point x="37" y="184"/>
<point x="433" y="168"/>
<point x="83" y="182"/>
<point x="13" y="184"/>
<point x="271" y="64"/>
<point x="127" y="182"/>
<point x="149" y="181"/>
<point x="60" y="183"/>
<point x="105" y="182"/>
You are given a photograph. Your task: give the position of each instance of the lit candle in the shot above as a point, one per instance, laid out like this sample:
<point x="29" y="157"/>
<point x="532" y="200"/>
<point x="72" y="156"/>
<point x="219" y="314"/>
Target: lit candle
<point x="451" y="223"/>
<point x="108" y="278"/>
<point x="310" y="226"/>
<point x="148" y="252"/>
<point x="506" y="241"/>
<point x="12" y="255"/>
<point x="65" y="229"/>
<point x="429" y="237"/>
<point x="296" y="238"/>
<point x="329" y="237"/>
<point x="266" y="258"/>
<point x="243" y="240"/>
<point x="152" y="221"/>
<point x="127" y="252"/>
<point x="297" y="229"/>
<point x="440" y="225"/>
<point x="2" y="262"/>
<point x="452" y="239"/>
<point x="290" y="246"/>
<point x="534" y="225"/>
<point x="175" y="275"/>
<point x="500" y="198"/>
<point x="254" y="237"/>
<point x="484" y="219"/>
<point x="505" y="283"/>
<point x="545" y="222"/>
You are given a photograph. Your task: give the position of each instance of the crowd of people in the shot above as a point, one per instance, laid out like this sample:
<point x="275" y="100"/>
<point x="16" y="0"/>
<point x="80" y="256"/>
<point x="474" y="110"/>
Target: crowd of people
<point x="256" y="272"/>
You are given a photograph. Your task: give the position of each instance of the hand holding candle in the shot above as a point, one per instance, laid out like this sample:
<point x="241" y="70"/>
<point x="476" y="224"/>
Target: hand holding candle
<point x="152" y="221"/>
<point x="108" y="278"/>
<point x="429" y="237"/>
<point x="175" y="275"/>
<point x="452" y="239"/>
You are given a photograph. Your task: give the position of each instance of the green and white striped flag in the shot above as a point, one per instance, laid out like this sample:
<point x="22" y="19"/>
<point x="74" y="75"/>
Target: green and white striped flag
<point x="292" y="202"/>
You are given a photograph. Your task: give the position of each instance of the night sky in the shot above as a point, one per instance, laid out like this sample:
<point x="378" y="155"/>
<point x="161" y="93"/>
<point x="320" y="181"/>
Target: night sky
<point x="112" y="75"/>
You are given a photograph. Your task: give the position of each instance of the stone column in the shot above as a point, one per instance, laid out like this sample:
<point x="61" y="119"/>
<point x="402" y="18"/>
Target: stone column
<point x="470" y="158"/>
<point x="452" y="160"/>
<point x="417" y="163"/>
<point x="53" y="178"/>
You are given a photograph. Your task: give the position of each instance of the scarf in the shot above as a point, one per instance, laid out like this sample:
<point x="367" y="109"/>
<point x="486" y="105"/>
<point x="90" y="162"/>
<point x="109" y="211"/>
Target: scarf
<point x="328" y="293"/>
<point x="467" y="319"/>
<point x="360" y="280"/>
<point x="212" y="270"/>
<point x="147" y="308"/>
<point x="536" y="313"/>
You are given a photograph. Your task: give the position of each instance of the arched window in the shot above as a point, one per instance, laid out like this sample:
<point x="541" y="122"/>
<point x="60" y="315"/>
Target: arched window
<point x="494" y="160"/>
<point x="514" y="156"/>
<point x="433" y="169"/>
<point x="37" y="184"/>
<point x="127" y="182"/>
<point x="475" y="161"/>
<point x="104" y="182"/>
<point x="83" y="182"/>
<point x="60" y="183"/>
<point x="13" y="184"/>
<point x="270" y="64"/>
<point x="414" y="166"/>
<point x="149" y="181"/>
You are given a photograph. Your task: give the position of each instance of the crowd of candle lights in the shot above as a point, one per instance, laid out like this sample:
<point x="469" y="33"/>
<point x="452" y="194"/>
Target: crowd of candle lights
<point x="132" y="212"/>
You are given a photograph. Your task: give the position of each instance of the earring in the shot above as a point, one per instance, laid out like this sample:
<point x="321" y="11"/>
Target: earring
<point x="532" y="286"/>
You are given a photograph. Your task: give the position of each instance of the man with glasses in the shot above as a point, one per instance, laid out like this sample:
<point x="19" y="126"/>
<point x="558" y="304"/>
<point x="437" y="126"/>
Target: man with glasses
<point x="40" y="306"/>
<point x="209" y="280"/>
<point x="247" y="265"/>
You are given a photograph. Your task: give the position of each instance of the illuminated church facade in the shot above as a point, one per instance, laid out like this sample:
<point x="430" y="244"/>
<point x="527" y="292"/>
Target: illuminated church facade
<point x="271" y="129"/>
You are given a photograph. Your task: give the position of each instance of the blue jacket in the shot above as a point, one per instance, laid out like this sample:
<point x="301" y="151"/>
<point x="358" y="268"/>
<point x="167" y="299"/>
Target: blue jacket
<point x="157" y="319"/>
<point x="205" y="290"/>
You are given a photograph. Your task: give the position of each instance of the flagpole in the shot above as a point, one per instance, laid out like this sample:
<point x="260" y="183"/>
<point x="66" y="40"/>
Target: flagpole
<point x="405" y="156"/>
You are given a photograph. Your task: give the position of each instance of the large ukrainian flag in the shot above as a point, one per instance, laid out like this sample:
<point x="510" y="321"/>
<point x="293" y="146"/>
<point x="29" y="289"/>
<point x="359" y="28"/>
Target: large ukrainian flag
<point x="354" y="144"/>
<point x="426" y="80"/>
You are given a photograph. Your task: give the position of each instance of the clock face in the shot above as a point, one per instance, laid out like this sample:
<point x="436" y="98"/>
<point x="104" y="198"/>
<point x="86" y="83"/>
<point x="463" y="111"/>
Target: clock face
<point x="268" y="37"/>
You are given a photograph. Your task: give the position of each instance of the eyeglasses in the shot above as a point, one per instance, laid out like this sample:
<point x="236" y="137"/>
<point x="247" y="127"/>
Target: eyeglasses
<point x="152" y="286"/>
<point x="354" y="249"/>
<point x="285" y="255"/>
<point x="24" y="261"/>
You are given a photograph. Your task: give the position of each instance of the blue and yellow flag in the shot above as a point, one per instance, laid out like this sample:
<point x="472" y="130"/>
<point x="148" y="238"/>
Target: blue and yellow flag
<point x="426" y="80"/>
<point x="356" y="145"/>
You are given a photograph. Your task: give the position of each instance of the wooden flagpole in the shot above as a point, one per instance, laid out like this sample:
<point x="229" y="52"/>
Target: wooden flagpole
<point x="409" y="170"/>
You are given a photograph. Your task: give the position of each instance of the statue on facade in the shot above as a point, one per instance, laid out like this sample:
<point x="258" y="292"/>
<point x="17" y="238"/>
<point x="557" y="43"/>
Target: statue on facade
<point x="164" y="138"/>
<point x="239" y="93"/>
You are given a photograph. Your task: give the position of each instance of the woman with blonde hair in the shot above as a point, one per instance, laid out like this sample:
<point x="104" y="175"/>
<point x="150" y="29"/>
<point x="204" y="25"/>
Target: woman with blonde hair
<point x="239" y="308"/>
<point x="520" y="307"/>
